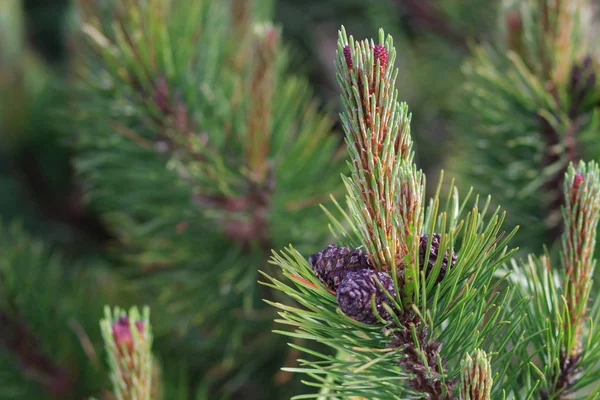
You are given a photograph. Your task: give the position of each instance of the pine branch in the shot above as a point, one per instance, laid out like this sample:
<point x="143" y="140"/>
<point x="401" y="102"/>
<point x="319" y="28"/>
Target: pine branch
<point x="20" y="342"/>
<point x="397" y="305"/>
<point x="581" y="215"/>
<point x="562" y="323"/>
<point x="48" y="317"/>
<point x="421" y="358"/>
<point x="378" y="138"/>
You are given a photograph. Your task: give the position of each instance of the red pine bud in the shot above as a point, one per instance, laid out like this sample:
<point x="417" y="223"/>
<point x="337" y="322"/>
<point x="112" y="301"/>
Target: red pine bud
<point x="513" y="21"/>
<point x="270" y="39"/>
<point x="122" y="332"/>
<point x="577" y="181"/>
<point x="348" y="56"/>
<point x="381" y="54"/>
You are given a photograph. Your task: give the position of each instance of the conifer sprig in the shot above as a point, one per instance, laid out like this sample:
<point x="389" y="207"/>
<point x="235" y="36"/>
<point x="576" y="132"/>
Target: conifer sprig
<point x="563" y="325"/>
<point x="385" y="192"/>
<point x="128" y="341"/>
<point x="580" y="214"/>
<point x="444" y="301"/>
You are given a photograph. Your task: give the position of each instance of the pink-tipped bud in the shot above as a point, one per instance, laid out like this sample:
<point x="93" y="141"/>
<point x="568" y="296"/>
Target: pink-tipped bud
<point x="577" y="181"/>
<point x="122" y="332"/>
<point x="348" y="56"/>
<point x="381" y="54"/>
<point x="271" y="39"/>
<point x="513" y="21"/>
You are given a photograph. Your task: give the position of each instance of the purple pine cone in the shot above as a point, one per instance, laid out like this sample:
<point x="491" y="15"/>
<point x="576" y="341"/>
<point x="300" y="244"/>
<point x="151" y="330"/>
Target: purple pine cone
<point x="355" y="292"/>
<point x="333" y="264"/>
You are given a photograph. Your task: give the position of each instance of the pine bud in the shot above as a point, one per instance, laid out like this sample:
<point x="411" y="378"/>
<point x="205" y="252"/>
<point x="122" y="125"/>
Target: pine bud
<point x="129" y="353"/>
<point x="332" y="264"/>
<point x="380" y="54"/>
<point x="433" y="256"/>
<point x="121" y="330"/>
<point x="515" y="35"/>
<point x="513" y="21"/>
<point x="476" y="377"/>
<point x="348" y="56"/>
<point x="356" y="290"/>
<point x="577" y="181"/>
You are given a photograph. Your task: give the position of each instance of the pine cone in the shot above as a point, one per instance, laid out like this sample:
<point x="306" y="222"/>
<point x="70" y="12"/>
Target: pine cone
<point x="333" y="264"/>
<point x="433" y="255"/>
<point x="355" y="292"/>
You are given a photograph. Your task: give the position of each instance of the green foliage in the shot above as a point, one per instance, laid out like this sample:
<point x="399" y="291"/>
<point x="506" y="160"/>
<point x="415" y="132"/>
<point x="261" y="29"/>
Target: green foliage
<point x="201" y="152"/>
<point x="561" y="325"/>
<point x="529" y="108"/>
<point x="466" y="301"/>
<point x="49" y="309"/>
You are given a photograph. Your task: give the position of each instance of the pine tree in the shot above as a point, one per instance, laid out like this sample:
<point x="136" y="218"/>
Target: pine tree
<point x="459" y="327"/>
<point x="529" y="108"/>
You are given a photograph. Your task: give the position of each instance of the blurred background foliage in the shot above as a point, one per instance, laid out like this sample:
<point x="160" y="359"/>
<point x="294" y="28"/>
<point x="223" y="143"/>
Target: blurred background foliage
<point x="40" y="190"/>
<point x="432" y="38"/>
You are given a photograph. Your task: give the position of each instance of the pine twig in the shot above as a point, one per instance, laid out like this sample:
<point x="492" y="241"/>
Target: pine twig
<point x="581" y="214"/>
<point x="386" y="197"/>
<point x="128" y="340"/>
<point x="377" y="130"/>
